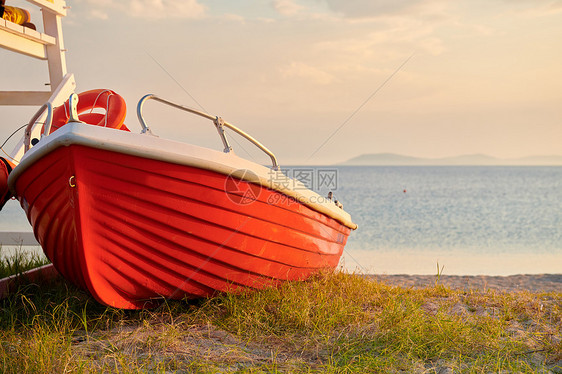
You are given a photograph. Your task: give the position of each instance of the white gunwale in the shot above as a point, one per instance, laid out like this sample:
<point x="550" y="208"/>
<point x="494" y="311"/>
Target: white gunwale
<point x="152" y="147"/>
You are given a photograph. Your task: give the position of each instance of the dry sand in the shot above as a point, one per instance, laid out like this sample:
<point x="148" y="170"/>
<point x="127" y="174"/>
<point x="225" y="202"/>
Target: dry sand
<point x="523" y="282"/>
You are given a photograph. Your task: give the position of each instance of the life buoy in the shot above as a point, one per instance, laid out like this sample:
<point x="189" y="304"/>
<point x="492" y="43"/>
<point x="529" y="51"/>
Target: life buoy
<point x="113" y="104"/>
<point x="5" y="170"/>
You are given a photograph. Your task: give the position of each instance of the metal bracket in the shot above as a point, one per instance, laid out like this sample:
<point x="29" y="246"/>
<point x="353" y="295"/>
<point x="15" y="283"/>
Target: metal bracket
<point x="73" y="108"/>
<point x="219" y="124"/>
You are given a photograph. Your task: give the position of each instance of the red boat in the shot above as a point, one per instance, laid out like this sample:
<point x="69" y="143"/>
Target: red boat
<point x="133" y="218"/>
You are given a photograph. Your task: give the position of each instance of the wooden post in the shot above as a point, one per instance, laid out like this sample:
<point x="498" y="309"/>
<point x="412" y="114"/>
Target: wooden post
<point x="55" y="53"/>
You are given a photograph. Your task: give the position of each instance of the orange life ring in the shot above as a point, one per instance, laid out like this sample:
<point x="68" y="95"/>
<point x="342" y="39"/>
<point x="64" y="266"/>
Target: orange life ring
<point x="6" y="168"/>
<point x="114" y="105"/>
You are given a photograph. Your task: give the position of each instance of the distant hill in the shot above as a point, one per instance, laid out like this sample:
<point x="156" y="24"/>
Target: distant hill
<point x="392" y="159"/>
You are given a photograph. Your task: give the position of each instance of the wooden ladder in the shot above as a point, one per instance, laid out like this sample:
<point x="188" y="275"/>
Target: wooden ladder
<point x="47" y="46"/>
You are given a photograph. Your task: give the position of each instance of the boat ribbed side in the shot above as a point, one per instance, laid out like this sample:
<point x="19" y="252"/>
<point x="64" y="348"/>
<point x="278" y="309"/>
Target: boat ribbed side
<point x="172" y="230"/>
<point x="48" y="200"/>
<point x="132" y="230"/>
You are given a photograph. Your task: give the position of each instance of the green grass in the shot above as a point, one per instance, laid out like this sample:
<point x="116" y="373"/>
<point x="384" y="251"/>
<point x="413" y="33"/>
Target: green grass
<point x="332" y="323"/>
<point x="19" y="261"/>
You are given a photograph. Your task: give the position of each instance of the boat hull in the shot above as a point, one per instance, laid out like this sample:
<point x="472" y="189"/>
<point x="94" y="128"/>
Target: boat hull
<point x="133" y="230"/>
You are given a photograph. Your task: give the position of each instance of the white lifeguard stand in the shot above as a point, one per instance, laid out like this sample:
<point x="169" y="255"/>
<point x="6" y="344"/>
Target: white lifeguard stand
<point x="48" y="46"/>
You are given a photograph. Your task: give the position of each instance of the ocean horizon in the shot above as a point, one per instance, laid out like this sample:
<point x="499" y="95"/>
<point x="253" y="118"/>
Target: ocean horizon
<point x="468" y="220"/>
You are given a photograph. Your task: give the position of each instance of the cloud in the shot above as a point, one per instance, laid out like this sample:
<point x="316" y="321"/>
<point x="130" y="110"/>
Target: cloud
<point x="541" y="9"/>
<point x="555" y="6"/>
<point x="96" y="13"/>
<point x="389" y="41"/>
<point x="287" y="7"/>
<point x="312" y="73"/>
<point x="234" y="18"/>
<point x="381" y="8"/>
<point x="166" y="9"/>
<point x="149" y="9"/>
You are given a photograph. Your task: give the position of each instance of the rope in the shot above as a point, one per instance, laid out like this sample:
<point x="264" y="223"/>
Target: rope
<point x="6" y="141"/>
<point x="106" y="104"/>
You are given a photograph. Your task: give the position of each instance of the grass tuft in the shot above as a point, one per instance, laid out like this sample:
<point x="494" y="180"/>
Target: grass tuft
<point x="20" y="261"/>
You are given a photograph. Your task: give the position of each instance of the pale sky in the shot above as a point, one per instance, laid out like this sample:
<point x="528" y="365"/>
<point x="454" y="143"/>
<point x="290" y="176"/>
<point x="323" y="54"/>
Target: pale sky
<point x="482" y="76"/>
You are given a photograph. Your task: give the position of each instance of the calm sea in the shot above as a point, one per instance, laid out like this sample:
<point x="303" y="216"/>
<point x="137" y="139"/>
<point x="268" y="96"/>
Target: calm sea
<point x="489" y="220"/>
<point x="469" y="219"/>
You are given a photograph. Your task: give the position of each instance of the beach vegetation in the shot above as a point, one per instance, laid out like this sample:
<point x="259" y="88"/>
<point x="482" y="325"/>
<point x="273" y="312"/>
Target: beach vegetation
<point x="17" y="260"/>
<point x="335" y="322"/>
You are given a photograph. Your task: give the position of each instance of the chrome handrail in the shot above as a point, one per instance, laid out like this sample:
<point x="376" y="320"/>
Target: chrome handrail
<point x="47" y="125"/>
<point x="217" y="121"/>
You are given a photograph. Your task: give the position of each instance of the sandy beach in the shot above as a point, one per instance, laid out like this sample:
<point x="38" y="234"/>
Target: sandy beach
<point x="522" y="282"/>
